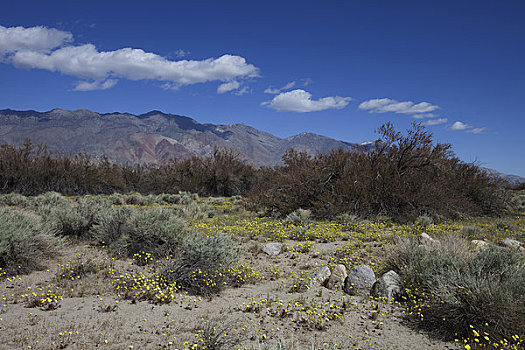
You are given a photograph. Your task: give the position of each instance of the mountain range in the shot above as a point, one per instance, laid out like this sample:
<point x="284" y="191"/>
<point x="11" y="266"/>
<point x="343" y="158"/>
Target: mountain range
<point x="155" y="137"/>
<point x="151" y="138"/>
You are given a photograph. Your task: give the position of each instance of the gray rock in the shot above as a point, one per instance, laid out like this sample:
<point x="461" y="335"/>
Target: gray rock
<point x="319" y="277"/>
<point x="337" y="278"/>
<point x="359" y="280"/>
<point x="480" y="244"/>
<point x="426" y="240"/>
<point x="272" y="249"/>
<point x="511" y="243"/>
<point x="388" y="286"/>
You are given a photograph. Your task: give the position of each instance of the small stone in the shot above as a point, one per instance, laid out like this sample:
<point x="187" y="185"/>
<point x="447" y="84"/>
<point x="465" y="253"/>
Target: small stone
<point x="426" y="240"/>
<point x="511" y="243"/>
<point x="479" y="244"/>
<point x="359" y="280"/>
<point x="319" y="277"/>
<point x="337" y="278"/>
<point x="272" y="249"/>
<point x="388" y="286"/>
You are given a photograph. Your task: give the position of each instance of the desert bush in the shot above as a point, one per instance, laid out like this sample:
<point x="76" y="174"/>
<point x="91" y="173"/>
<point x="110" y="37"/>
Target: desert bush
<point x="298" y="216"/>
<point x="13" y="199"/>
<point x="24" y="242"/>
<point x="454" y="288"/>
<point x="154" y="232"/>
<point x="215" y="336"/>
<point x="471" y="231"/>
<point x="400" y="177"/>
<point x="112" y="226"/>
<point x="116" y="199"/>
<point x="75" y="219"/>
<point x="346" y="218"/>
<point x="201" y="268"/>
<point x="517" y="202"/>
<point x="167" y="198"/>
<point x="137" y="199"/>
<point x="424" y="221"/>
<point x="502" y="225"/>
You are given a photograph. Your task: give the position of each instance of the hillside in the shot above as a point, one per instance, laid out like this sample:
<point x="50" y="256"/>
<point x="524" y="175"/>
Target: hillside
<point x="153" y="137"/>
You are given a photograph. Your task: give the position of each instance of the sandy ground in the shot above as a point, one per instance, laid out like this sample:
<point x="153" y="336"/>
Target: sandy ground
<point x="264" y="315"/>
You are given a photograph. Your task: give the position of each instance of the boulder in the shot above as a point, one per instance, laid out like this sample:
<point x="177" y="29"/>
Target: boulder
<point x="511" y="243"/>
<point x="319" y="277"/>
<point x="388" y="286"/>
<point x="480" y="244"/>
<point x="425" y="240"/>
<point x="337" y="278"/>
<point x="272" y="249"/>
<point x="359" y="280"/>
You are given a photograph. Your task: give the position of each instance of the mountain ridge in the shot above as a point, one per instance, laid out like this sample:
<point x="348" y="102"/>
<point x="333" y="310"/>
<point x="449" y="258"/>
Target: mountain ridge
<point x="155" y="137"/>
<point x="152" y="137"/>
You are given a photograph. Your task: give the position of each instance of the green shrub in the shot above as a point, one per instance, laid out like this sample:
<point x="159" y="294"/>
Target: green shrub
<point x="157" y="232"/>
<point x="154" y="231"/>
<point x="13" y="199"/>
<point x="24" y="242"/>
<point x="471" y="231"/>
<point x="502" y="225"/>
<point x="347" y="218"/>
<point x="517" y="202"/>
<point x="202" y="267"/>
<point x="424" y="221"/>
<point x="298" y="216"/>
<point x="454" y="287"/>
<point x="187" y="197"/>
<point x="167" y="198"/>
<point x="116" y="199"/>
<point x="75" y="219"/>
<point x="112" y="226"/>
<point x="138" y="199"/>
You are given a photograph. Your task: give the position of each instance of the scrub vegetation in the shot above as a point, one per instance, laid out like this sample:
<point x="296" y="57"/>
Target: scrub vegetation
<point x="181" y="256"/>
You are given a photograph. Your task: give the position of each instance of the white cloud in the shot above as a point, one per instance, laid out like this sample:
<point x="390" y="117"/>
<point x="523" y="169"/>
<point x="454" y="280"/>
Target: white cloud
<point x="96" y="85"/>
<point x="477" y="130"/>
<point x="229" y="86"/>
<point x="181" y="53"/>
<point x="437" y="121"/>
<point x="36" y="39"/>
<point x="43" y="48"/>
<point x="242" y="91"/>
<point x="301" y="101"/>
<point x="271" y="90"/>
<point x="384" y="105"/>
<point x="459" y="126"/>
<point x="423" y="116"/>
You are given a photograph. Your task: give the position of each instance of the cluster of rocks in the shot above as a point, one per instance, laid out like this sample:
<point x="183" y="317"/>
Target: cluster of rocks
<point x="507" y="243"/>
<point x="361" y="280"/>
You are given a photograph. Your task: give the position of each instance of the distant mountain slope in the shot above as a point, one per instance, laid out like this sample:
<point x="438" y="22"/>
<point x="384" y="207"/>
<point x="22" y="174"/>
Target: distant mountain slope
<point x="152" y="137"/>
<point x="156" y="137"/>
<point x="512" y="179"/>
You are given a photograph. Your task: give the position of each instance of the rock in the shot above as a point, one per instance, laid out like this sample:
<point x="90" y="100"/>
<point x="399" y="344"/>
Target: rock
<point x="337" y="278"/>
<point x="359" y="280"/>
<point x="511" y="243"/>
<point x="272" y="249"/>
<point x="319" y="277"/>
<point x="388" y="286"/>
<point x="480" y="244"/>
<point x="426" y="240"/>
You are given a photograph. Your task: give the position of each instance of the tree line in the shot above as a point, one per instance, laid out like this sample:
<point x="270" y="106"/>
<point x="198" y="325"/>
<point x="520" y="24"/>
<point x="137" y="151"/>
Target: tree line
<point x="403" y="176"/>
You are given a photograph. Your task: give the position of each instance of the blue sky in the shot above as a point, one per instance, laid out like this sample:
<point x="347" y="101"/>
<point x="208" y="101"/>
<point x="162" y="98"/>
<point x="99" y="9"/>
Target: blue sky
<point x="336" y="68"/>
